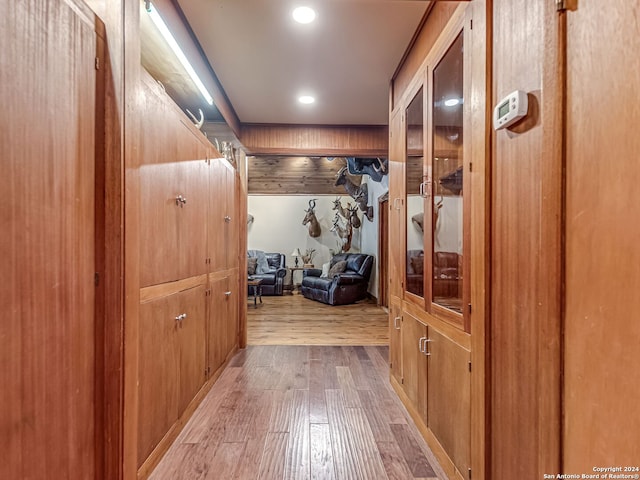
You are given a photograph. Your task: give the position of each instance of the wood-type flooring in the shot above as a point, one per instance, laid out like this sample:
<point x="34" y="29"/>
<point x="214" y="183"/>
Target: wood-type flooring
<point x="295" y="320"/>
<point x="301" y="412"/>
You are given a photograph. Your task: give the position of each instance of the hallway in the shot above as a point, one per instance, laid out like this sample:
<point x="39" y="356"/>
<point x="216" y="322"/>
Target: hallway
<point x="301" y="412"/>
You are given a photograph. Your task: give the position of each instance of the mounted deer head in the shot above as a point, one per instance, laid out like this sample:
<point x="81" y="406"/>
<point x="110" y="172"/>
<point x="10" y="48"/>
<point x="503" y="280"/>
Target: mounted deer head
<point x="310" y="218"/>
<point x="359" y="193"/>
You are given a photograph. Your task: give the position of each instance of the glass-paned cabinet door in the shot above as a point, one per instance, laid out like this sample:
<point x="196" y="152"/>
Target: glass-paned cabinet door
<point x="446" y="201"/>
<point x="414" y="276"/>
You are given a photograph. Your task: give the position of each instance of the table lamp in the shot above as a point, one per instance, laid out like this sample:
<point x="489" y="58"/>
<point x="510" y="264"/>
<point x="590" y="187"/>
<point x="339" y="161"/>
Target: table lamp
<point x="296" y="253"/>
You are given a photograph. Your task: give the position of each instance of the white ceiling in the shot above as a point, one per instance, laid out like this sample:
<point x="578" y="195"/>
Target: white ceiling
<point x="345" y="58"/>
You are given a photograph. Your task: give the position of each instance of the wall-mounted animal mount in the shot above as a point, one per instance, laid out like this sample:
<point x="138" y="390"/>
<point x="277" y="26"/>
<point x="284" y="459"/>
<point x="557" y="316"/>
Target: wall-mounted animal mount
<point x="337" y="205"/>
<point x="354" y="220"/>
<point x="359" y="193"/>
<point x="376" y="168"/>
<point x="344" y="233"/>
<point x="310" y="218"/>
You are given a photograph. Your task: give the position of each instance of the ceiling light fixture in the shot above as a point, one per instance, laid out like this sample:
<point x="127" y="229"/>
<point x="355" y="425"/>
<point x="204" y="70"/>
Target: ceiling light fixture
<point x="164" y="30"/>
<point x="451" y="102"/>
<point x="304" y="15"/>
<point x="306" y="99"/>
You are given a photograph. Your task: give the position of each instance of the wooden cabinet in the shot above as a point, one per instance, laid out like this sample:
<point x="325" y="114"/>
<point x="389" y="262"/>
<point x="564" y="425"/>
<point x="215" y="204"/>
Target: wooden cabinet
<point x="171" y="362"/>
<point x="188" y="323"/>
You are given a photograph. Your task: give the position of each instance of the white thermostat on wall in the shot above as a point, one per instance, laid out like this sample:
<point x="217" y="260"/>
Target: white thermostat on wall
<point x="511" y="109"/>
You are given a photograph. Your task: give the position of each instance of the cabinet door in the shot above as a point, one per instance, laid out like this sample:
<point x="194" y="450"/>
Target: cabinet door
<point x="173" y="235"/>
<point x="396" y="211"/>
<point x="232" y="307"/>
<point x="449" y="397"/>
<point x="216" y="325"/>
<point x="158" y="372"/>
<point x="192" y="228"/>
<point x="414" y="362"/>
<point x="395" y="341"/>
<point x="217" y="212"/>
<point x="191" y="344"/>
<point x="231" y="218"/>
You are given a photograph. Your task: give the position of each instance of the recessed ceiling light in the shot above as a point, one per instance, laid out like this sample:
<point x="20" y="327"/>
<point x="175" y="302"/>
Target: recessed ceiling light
<point x="451" y="102"/>
<point x="304" y="15"/>
<point x="306" y="99"/>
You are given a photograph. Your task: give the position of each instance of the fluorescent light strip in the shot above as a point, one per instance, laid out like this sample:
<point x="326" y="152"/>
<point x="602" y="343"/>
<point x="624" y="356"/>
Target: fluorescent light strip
<point x="162" y="28"/>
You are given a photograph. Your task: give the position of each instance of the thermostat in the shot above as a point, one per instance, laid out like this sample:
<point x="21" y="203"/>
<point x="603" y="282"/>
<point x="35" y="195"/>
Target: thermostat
<point x="511" y="109"/>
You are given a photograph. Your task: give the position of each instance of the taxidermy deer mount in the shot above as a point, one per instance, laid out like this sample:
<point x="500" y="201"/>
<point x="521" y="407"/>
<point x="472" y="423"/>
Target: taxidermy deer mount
<point x="359" y="193"/>
<point x="310" y="218"/>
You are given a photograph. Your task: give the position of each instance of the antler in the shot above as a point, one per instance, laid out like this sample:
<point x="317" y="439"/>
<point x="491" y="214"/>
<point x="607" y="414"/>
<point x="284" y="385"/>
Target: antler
<point x="198" y="123"/>
<point x="312" y="204"/>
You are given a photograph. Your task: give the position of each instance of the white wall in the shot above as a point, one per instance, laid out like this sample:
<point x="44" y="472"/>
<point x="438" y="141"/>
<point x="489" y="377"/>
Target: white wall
<point x="370" y="229"/>
<point x="277" y="227"/>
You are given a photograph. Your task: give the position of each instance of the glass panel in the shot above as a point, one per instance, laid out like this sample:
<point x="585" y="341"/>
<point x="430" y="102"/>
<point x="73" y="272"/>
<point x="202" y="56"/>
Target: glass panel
<point x="415" y="203"/>
<point x="447" y="179"/>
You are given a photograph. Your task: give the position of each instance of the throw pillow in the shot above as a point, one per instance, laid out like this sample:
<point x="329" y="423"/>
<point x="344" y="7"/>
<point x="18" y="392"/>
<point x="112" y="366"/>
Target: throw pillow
<point x="263" y="265"/>
<point x="325" y="270"/>
<point x="337" y="268"/>
<point x="417" y="263"/>
<point x="252" y="263"/>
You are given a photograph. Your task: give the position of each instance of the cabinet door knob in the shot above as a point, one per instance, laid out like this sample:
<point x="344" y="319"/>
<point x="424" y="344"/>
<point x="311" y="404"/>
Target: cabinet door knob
<point x="395" y="323"/>
<point x="228" y="294"/>
<point x="181" y="317"/>
<point x="227" y="218"/>
<point x="181" y="201"/>
<point x="397" y="202"/>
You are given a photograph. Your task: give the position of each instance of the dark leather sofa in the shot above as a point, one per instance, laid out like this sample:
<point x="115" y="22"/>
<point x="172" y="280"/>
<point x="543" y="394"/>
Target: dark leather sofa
<point x="447" y="272"/>
<point x="343" y="288"/>
<point x="273" y="280"/>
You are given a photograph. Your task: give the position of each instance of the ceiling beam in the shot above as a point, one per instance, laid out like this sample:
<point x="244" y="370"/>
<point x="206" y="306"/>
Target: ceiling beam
<point x="315" y="140"/>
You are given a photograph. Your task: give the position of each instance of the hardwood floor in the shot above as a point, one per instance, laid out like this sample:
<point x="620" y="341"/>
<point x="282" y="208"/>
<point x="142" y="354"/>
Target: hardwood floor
<point x="295" y="320"/>
<point x="301" y="412"/>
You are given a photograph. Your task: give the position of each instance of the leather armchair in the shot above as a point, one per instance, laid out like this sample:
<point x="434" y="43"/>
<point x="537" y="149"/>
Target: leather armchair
<point x="273" y="280"/>
<point x="344" y="288"/>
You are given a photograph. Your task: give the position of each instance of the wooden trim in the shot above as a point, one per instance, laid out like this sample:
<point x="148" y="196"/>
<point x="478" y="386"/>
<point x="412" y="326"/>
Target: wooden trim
<point x="441" y="455"/>
<point x="383" y="250"/>
<point x="480" y="176"/>
<point x="153" y="292"/>
<point x="131" y="131"/>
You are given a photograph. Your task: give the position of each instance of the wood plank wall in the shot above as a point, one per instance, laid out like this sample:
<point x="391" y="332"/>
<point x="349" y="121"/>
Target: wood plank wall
<point x="348" y="140"/>
<point x="278" y="175"/>
<point x="602" y="333"/>
<point x="526" y="237"/>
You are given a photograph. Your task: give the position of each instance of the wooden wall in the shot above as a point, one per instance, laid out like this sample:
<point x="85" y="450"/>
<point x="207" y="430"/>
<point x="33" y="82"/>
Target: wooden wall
<point x="602" y="387"/>
<point x="526" y="269"/>
<point x="348" y="140"/>
<point x="278" y="175"/>
<point x="48" y="84"/>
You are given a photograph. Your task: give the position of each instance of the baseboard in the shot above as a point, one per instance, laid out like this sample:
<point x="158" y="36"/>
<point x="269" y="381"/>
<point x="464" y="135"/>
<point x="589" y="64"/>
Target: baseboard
<point x="441" y="455"/>
<point x="156" y="455"/>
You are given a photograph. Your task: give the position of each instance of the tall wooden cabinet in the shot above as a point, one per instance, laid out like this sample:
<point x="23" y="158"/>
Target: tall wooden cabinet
<point x="189" y="288"/>
<point x="430" y="194"/>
